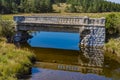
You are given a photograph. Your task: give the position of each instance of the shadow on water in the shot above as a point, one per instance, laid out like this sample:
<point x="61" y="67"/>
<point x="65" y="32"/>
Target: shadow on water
<point x="83" y="64"/>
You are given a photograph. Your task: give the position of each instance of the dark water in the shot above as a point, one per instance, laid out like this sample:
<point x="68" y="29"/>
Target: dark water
<point x="68" y="61"/>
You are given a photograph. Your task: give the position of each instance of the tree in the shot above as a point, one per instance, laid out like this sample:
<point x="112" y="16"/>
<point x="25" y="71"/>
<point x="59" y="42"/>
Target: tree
<point x="72" y="8"/>
<point x="94" y="6"/>
<point x="111" y="21"/>
<point x="43" y="6"/>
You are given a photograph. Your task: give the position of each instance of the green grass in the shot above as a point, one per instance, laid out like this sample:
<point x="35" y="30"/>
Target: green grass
<point x="92" y="15"/>
<point x="113" y="46"/>
<point x="13" y="61"/>
<point x="10" y="16"/>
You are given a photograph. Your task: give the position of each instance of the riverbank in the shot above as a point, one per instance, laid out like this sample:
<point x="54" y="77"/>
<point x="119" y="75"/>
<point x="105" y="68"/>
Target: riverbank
<point x="14" y="63"/>
<point x="113" y="46"/>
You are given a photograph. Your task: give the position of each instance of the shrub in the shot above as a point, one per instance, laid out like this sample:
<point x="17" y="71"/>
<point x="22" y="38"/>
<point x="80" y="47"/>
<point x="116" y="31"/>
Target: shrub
<point x="6" y="28"/>
<point x="112" y="24"/>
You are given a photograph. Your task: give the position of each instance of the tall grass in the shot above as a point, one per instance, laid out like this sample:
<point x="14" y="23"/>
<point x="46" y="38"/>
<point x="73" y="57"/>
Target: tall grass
<point x="113" y="46"/>
<point x="13" y="62"/>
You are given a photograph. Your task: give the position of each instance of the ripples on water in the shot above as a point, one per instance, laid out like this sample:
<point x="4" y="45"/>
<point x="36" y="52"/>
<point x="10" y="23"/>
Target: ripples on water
<point x="68" y="61"/>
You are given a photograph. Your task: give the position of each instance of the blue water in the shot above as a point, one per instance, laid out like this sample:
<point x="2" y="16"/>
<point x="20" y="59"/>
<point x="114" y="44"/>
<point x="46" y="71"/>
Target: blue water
<point x="58" y="40"/>
<point x="46" y="74"/>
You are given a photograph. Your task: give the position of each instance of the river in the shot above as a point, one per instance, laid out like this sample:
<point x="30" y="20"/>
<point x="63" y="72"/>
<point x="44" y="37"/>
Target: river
<point x="60" y="58"/>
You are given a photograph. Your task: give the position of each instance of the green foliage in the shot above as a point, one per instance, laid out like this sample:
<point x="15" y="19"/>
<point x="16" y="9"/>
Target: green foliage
<point x="25" y="6"/>
<point x="45" y="6"/>
<point x="6" y="28"/>
<point x="13" y="62"/>
<point x="70" y="9"/>
<point x="113" y="24"/>
<point x="118" y="23"/>
<point x="113" y="45"/>
<point x="93" y="6"/>
<point x="111" y="21"/>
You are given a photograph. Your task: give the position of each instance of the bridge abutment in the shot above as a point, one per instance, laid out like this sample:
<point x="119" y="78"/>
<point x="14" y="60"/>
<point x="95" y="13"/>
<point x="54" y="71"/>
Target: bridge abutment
<point x="92" y="36"/>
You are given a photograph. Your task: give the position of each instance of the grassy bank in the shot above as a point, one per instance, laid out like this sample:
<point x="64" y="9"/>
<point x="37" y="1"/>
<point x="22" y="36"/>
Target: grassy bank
<point x="14" y="62"/>
<point x="92" y="15"/>
<point x="113" y="46"/>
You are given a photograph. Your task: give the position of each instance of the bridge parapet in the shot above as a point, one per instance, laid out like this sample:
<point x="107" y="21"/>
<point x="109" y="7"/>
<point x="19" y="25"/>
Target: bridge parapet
<point x="60" y="20"/>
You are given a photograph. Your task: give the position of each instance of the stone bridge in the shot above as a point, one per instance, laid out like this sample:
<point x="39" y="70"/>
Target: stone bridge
<point x="92" y="30"/>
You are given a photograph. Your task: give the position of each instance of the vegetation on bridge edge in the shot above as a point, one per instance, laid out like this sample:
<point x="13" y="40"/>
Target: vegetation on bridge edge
<point x="14" y="63"/>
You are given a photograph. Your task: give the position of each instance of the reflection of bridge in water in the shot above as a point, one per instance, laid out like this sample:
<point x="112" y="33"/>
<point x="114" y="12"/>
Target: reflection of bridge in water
<point x="92" y="30"/>
<point x="87" y="61"/>
<point x="95" y="56"/>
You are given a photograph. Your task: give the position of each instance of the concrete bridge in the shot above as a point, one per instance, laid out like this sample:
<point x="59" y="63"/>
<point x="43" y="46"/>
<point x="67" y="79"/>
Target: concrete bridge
<point x="92" y="30"/>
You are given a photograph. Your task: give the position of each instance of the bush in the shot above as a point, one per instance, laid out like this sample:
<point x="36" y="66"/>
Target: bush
<point x="6" y="28"/>
<point x="112" y="24"/>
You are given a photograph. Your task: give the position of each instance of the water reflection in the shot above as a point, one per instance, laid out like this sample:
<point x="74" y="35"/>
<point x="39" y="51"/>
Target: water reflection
<point x="47" y="74"/>
<point x="87" y="64"/>
<point x="83" y="64"/>
<point x="75" y="61"/>
<point x="56" y="64"/>
<point x="95" y="56"/>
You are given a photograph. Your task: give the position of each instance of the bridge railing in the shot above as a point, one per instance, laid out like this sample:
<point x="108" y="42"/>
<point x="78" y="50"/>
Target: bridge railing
<point x="60" y="20"/>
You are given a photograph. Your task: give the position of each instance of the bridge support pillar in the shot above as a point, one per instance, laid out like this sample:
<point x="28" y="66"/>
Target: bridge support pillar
<point x="92" y="37"/>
